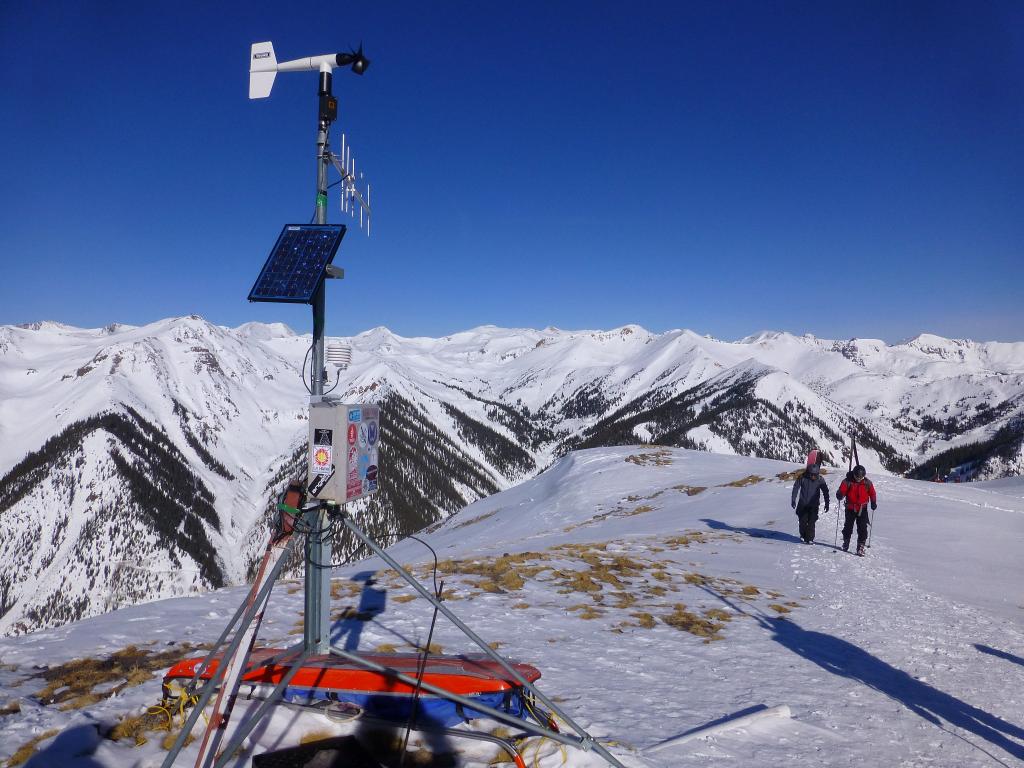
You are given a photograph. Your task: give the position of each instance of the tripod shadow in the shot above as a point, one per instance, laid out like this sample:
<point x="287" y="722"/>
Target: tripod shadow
<point x="845" y="659"/>
<point x="757" y="533"/>
<point x="1001" y="654"/>
<point x="372" y="602"/>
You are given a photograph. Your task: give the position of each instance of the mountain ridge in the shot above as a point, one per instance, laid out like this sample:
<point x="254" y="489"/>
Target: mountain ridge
<point x="484" y="409"/>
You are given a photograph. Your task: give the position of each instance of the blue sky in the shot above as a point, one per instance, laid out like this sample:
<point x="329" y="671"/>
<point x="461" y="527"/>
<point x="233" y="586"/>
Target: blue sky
<point x="844" y="169"/>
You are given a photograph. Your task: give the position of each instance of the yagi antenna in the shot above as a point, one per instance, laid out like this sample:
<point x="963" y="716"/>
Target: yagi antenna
<point x="351" y="197"/>
<point x="263" y="69"/>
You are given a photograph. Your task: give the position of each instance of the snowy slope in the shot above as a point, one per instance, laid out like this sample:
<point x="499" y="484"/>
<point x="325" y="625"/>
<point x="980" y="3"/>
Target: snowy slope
<point x="466" y="415"/>
<point x="658" y="590"/>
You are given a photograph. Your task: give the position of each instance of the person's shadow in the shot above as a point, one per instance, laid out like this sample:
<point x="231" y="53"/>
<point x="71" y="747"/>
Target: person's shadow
<point x="372" y="603"/>
<point x="757" y="533"/>
<point x="848" y="660"/>
<point x="1001" y="654"/>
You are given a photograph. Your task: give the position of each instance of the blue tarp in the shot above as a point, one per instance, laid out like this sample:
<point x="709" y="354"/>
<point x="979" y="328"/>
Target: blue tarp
<point x="430" y="710"/>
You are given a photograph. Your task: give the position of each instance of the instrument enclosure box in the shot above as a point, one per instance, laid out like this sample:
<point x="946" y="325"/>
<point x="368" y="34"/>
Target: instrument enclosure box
<point x="343" y="447"/>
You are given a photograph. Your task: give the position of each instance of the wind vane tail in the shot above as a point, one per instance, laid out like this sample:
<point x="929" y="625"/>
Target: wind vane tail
<point x="262" y="70"/>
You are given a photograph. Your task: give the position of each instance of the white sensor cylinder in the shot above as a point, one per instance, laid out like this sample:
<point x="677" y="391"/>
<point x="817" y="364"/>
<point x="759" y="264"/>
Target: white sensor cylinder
<point x="339" y="355"/>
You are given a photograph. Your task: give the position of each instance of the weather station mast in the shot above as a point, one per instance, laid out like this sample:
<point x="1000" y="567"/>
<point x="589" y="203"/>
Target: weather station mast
<point x="341" y="467"/>
<point x="296" y="272"/>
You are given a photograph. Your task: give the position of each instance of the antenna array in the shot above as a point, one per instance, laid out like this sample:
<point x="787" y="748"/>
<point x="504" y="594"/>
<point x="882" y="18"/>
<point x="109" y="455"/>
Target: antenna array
<point x="352" y="198"/>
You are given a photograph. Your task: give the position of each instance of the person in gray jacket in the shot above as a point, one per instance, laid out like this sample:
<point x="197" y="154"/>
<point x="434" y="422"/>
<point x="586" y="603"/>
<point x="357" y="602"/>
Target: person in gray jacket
<point x="808" y="491"/>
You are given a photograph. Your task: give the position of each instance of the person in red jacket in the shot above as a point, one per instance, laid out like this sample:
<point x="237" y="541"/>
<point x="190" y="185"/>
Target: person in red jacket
<point x="858" y="492"/>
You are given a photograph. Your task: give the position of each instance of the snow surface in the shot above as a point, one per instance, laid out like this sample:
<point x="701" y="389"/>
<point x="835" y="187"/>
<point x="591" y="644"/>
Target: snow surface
<point x="911" y="656"/>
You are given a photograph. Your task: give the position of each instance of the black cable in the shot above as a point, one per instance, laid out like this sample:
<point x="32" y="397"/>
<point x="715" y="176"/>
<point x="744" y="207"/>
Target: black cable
<point x="421" y="666"/>
<point x="303" y="374"/>
<point x="421" y="541"/>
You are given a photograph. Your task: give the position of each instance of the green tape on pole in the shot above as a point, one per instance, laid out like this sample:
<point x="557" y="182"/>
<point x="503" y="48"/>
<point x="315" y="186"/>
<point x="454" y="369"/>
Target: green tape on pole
<point x="321" y="200"/>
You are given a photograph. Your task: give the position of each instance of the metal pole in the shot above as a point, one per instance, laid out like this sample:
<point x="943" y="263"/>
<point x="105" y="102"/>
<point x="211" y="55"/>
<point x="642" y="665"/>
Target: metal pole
<point x="316" y="619"/>
<point x="586" y="740"/>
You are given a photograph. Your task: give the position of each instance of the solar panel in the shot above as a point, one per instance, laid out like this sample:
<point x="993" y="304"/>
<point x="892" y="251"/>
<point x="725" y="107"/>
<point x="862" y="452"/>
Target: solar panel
<point x="296" y="264"/>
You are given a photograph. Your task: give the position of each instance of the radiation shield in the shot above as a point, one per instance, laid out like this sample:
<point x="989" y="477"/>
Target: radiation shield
<point x="344" y="440"/>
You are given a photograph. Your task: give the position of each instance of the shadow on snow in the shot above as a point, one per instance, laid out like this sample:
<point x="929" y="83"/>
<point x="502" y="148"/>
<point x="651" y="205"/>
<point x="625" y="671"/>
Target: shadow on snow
<point x="845" y="659"/>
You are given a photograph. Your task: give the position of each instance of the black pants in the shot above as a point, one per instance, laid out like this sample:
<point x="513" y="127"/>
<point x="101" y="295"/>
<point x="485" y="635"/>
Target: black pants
<point x="862" y="525"/>
<point x="807" y="517"/>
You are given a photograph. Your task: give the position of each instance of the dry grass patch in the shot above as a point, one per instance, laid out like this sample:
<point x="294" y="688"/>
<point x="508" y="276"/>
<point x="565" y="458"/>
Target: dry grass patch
<point x="70" y="684"/>
<point x="689" y="490"/>
<point x="135" y="727"/>
<point x="507" y="573"/>
<point x="686" y="539"/>
<point x="661" y="458"/>
<point x="11" y="708"/>
<point x="750" y="589"/>
<point x="520" y="606"/>
<point x="623" y="600"/>
<point x="585" y="611"/>
<point x="577" y="581"/>
<point x="778" y="608"/>
<point x="404" y="598"/>
<point x="796" y="474"/>
<point x="743" y="482"/>
<point x="474" y="520"/>
<point x="386" y="648"/>
<point x="699" y="579"/>
<point x="26" y="750"/>
<point x="718" y="614"/>
<point x="644" y="619"/>
<point x="340" y="589"/>
<point x="602" y="569"/>
<point x="687" y="621"/>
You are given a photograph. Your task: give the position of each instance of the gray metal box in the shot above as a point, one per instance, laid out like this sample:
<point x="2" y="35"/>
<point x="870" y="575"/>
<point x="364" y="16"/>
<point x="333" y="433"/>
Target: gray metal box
<point x="343" y="443"/>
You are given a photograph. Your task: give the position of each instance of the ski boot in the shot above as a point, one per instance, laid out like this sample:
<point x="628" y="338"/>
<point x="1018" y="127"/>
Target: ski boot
<point x="860" y="550"/>
<point x="846" y="545"/>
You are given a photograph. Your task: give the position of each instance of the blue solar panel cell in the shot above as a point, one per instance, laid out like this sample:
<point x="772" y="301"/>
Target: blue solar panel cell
<point x="296" y="264"/>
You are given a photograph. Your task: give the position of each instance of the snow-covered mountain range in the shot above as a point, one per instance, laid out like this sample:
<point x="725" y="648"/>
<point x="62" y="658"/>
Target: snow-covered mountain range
<point x="141" y="462"/>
